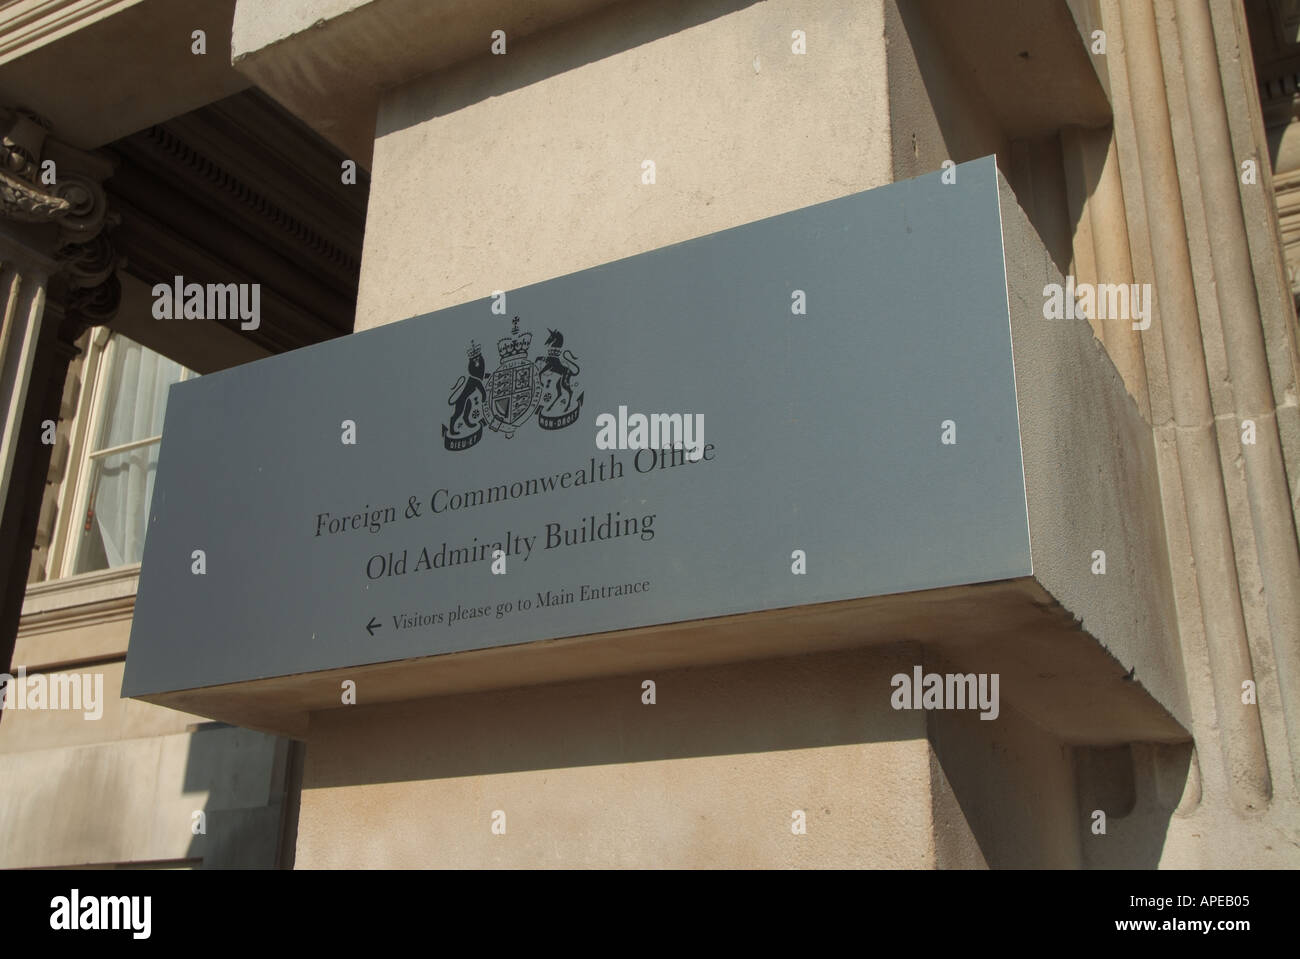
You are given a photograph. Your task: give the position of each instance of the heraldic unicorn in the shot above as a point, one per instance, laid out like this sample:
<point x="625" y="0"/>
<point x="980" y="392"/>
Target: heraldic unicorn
<point x="505" y="399"/>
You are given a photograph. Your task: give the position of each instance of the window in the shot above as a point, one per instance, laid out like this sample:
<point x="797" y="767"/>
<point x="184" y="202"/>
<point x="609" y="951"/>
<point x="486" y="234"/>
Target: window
<point x="108" y="490"/>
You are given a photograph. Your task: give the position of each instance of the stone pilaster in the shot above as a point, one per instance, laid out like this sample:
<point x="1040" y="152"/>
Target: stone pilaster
<point x="1220" y="353"/>
<point x="1194" y="442"/>
<point x="1261" y="473"/>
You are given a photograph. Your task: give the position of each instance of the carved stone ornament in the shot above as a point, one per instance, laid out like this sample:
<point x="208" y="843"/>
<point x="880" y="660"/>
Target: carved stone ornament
<point x="25" y="203"/>
<point x="90" y="277"/>
<point x="75" y="201"/>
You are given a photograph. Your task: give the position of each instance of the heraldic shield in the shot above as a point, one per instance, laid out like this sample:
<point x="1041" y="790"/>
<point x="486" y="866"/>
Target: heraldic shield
<point x="514" y="392"/>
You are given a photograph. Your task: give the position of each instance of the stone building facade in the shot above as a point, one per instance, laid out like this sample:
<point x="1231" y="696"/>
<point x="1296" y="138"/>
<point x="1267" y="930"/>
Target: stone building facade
<point x="369" y="160"/>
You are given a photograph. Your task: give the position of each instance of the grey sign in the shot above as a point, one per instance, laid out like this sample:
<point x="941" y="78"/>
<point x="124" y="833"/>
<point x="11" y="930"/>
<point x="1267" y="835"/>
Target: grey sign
<point x="823" y="450"/>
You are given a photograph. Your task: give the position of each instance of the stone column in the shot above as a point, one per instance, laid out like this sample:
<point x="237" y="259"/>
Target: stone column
<point x="57" y="276"/>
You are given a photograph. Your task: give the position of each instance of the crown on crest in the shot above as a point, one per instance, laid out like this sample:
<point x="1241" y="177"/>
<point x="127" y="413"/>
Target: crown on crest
<point x="516" y="344"/>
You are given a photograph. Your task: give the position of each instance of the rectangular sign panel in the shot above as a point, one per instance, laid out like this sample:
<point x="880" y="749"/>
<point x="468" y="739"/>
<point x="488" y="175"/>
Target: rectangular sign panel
<point x="447" y="482"/>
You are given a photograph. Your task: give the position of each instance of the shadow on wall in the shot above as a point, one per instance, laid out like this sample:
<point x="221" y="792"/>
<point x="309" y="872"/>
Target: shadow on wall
<point x="1030" y="800"/>
<point x="243" y="774"/>
<point x="939" y="111"/>
<point x="827" y="699"/>
<point x="1002" y="793"/>
<point x="1137" y="786"/>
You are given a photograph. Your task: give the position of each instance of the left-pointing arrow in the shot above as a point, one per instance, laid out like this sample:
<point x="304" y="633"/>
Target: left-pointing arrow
<point x="373" y="625"/>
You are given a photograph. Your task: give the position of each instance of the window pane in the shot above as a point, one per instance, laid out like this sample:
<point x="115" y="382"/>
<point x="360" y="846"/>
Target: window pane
<point x="132" y="402"/>
<point x="135" y="393"/>
<point x="121" y="486"/>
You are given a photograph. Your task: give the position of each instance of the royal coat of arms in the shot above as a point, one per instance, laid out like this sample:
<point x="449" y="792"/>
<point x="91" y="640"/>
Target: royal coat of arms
<point x="518" y="389"/>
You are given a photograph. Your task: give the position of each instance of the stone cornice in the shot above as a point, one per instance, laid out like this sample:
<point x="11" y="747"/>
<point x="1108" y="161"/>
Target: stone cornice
<point x="77" y="617"/>
<point x="29" y="24"/>
<point x="215" y="178"/>
<point x="240" y="191"/>
<point x="1278" y="95"/>
<point x="79" y="601"/>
